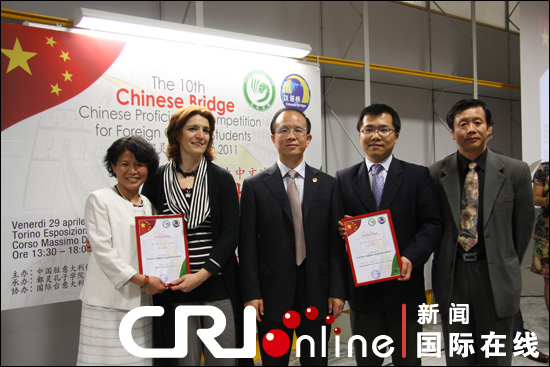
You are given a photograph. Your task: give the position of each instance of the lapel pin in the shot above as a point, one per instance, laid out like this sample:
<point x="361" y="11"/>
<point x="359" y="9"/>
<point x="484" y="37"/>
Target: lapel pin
<point x="315" y="180"/>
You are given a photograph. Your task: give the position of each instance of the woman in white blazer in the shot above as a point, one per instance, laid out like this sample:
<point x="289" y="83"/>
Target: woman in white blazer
<point x="112" y="285"/>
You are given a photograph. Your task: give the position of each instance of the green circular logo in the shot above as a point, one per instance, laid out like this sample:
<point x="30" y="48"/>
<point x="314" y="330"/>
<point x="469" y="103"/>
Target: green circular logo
<point x="259" y="90"/>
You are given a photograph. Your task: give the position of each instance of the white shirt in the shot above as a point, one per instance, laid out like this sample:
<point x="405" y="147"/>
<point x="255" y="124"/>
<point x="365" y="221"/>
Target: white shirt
<point x="384" y="173"/>
<point x="298" y="179"/>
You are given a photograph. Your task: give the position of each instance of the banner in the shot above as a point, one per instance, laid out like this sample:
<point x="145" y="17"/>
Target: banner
<point x="67" y="96"/>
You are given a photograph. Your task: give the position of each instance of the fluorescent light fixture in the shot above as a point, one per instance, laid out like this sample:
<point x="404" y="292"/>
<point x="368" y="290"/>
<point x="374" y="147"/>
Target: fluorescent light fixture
<point x="151" y="28"/>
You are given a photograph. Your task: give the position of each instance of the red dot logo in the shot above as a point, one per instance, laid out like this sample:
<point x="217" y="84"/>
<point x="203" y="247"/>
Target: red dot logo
<point x="276" y="343"/>
<point x="337" y="330"/>
<point x="329" y="319"/>
<point x="312" y="313"/>
<point x="291" y="319"/>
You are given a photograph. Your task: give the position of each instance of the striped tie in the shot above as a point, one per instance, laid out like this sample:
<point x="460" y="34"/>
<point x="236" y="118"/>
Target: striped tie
<point x="377" y="183"/>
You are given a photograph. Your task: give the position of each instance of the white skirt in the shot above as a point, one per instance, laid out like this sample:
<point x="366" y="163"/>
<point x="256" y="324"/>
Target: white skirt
<point x="99" y="341"/>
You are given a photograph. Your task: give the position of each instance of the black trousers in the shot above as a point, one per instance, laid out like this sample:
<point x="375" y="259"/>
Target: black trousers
<point x="472" y="287"/>
<point x="380" y="321"/>
<point x="312" y="328"/>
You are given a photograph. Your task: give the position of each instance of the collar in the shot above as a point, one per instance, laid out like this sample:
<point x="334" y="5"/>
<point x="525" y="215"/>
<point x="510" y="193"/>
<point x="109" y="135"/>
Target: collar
<point x="301" y="169"/>
<point x="480" y="161"/>
<point x="385" y="163"/>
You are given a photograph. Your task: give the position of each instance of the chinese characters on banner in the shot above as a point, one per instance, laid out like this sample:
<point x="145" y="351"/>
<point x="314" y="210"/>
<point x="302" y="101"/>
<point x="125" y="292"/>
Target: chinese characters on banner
<point x="66" y="96"/>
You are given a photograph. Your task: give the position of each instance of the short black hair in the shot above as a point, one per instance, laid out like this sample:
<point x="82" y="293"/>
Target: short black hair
<point x="141" y="148"/>
<point x="377" y="109"/>
<point x="464" y="104"/>
<point x="272" y="126"/>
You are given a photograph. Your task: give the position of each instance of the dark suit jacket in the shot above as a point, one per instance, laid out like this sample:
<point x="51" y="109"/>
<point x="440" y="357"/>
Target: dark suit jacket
<point x="409" y="194"/>
<point x="508" y="220"/>
<point x="267" y="253"/>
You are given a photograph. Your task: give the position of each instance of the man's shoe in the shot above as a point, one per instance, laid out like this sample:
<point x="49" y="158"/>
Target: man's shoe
<point x="543" y="358"/>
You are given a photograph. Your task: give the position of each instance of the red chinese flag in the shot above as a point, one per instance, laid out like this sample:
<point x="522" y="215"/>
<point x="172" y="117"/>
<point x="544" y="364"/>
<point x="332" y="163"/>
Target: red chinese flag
<point x="352" y="226"/>
<point x="42" y="68"/>
<point x="145" y="226"/>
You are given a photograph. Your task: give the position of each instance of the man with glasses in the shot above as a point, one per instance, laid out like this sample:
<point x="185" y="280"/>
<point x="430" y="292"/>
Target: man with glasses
<point x="378" y="183"/>
<point x="291" y="255"/>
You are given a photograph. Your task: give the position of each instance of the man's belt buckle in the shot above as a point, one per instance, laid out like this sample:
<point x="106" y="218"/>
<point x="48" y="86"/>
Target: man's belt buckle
<point x="469" y="256"/>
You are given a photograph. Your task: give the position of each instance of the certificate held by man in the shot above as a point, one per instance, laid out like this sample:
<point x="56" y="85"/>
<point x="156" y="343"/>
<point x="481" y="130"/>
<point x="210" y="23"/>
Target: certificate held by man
<point x="162" y="246"/>
<point x="372" y="248"/>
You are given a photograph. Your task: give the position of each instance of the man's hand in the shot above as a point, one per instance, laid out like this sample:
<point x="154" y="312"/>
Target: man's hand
<point x="406" y="269"/>
<point x="341" y="228"/>
<point x="335" y="306"/>
<point x="258" y="304"/>
<point x="88" y="246"/>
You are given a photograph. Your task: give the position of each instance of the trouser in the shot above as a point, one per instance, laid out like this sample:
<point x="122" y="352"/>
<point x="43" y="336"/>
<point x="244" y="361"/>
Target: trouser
<point x="312" y="328"/>
<point x="472" y="287"/>
<point x="226" y="339"/>
<point x="383" y="322"/>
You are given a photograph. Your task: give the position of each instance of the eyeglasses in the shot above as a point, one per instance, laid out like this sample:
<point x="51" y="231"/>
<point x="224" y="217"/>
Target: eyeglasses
<point x="383" y="131"/>
<point x="297" y="131"/>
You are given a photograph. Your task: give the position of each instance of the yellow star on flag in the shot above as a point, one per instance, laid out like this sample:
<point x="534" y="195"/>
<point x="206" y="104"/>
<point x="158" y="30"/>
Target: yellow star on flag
<point x="56" y="89"/>
<point x="67" y="76"/>
<point x="64" y="55"/>
<point x="50" y="41"/>
<point x="544" y="38"/>
<point x="18" y="57"/>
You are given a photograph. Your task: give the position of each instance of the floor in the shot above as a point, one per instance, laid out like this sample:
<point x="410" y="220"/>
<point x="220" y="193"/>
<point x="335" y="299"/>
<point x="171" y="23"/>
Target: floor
<point x="535" y="317"/>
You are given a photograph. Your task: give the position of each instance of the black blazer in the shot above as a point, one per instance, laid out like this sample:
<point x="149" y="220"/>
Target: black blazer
<point x="224" y="209"/>
<point x="410" y="195"/>
<point x="267" y="252"/>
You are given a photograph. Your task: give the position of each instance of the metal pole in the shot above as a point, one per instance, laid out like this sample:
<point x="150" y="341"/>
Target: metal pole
<point x="199" y="13"/>
<point x="366" y="51"/>
<point x="474" y="46"/>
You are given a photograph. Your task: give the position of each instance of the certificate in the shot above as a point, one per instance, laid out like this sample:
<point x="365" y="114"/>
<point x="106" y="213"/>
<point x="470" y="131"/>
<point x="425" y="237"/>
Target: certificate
<point x="372" y="248"/>
<point x="162" y="246"/>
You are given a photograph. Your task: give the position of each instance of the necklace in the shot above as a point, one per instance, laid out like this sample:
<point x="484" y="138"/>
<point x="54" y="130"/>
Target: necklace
<point x="138" y="205"/>
<point x="187" y="192"/>
<point x="187" y="174"/>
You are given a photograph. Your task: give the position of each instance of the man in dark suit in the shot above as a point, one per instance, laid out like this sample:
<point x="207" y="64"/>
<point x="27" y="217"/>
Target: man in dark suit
<point x="291" y="256"/>
<point x="487" y="206"/>
<point x="409" y="194"/>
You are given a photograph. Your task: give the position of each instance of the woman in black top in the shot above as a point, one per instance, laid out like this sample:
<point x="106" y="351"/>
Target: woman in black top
<point x="207" y="196"/>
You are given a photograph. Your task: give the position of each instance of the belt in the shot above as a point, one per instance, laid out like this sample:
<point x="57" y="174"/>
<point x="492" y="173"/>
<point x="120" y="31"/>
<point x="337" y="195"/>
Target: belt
<point x="471" y="256"/>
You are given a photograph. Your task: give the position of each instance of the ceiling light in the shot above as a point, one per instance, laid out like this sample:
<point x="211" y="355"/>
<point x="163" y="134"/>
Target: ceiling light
<point x="151" y="28"/>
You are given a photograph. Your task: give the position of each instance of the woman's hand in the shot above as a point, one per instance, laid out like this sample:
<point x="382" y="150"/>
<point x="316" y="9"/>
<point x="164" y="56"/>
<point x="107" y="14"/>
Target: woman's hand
<point x="188" y="282"/>
<point x="155" y="286"/>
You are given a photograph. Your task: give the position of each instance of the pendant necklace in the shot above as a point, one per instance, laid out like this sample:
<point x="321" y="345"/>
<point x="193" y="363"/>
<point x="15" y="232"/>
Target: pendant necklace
<point x="187" y="192"/>
<point x="138" y="205"/>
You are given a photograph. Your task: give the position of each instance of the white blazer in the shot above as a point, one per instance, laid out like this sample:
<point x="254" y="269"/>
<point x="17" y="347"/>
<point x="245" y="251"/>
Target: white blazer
<point x="111" y="228"/>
